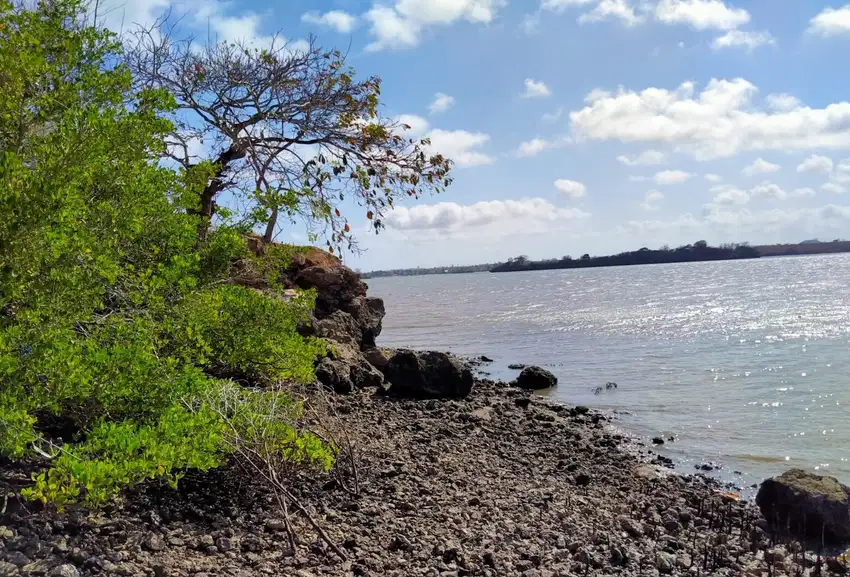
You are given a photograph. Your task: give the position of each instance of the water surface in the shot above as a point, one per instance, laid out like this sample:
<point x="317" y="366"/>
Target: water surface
<point x="746" y="363"/>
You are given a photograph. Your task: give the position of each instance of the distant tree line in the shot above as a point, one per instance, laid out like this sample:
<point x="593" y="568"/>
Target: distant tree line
<point x="433" y="270"/>
<point x="699" y="251"/>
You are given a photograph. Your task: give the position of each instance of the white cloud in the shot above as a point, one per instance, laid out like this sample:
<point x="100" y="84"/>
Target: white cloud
<point x="341" y="21"/>
<point x="651" y="200"/>
<point x="816" y="163"/>
<point x="726" y="194"/>
<point x="532" y="147"/>
<point x="833" y="187"/>
<point x="713" y="177"/>
<point x="639" y="178"/>
<point x="782" y="102"/>
<point x="841" y="174"/>
<point x="561" y="5"/>
<point x="647" y="157"/>
<point x="441" y="103"/>
<point x="804" y="192"/>
<point x="701" y="14"/>
<point x="768" y="190"/>
<point x="831" y="22"/>
<point x="121" y="15"/>
<point x="570" y="188"/>
<point x="720" y="121"/>
<point x="760" y="166"/>
<point x="461" y="146"/>
<point x="448" y="217"/>
<point x="535" y="89"/>
<point x="401" y="25"/>
<point x="671" y="177"/>
<point x="620" y="10"/>
<point x="750" y="40"/>
<point x="553" y="116"/>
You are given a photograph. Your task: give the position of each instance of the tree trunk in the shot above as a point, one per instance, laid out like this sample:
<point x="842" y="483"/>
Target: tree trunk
<point x="215" y="185"/>
<point x="269" y="234"/>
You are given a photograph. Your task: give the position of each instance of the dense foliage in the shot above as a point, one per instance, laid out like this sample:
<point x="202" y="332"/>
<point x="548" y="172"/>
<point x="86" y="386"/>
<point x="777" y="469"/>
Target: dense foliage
<point x="120" y="331"/>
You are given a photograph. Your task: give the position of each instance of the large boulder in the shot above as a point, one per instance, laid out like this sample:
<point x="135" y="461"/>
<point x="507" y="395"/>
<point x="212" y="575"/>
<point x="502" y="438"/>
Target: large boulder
<point x="807" y="505"/>
<point x="345" y="369"/>
<point x="535" y="378"/>
<point x="339" y="326"/>
<point x="336" y="287"/>
<point x="369" y="314"/>
<point x="424" y="375"/>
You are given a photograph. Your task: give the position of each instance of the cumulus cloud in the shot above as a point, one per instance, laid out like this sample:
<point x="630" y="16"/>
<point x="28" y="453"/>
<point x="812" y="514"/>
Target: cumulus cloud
<point x="341" y="21"/>
<point x="713" y="177"/>
<point x="720" y="121"/>
<point x="833" y="187"/>
<point x="782" y="102"/>
<point x="701" y="14"/>
<point x="561" y="5"/>
<point x="517" y="215"/>
<point x="726" y="194"/>
<point x="401" y="26"/>
<point x="535" y="89"/>
<point x="441" y="103"/>
<point x="749" y="40"/>
<point x="461" y="146"/>
<point x="532" y="147"/>
<point x="620" y="10"/>
<point x="652" y="199"/>
<point x="760" y="166"/>
<point x="841" y="174"/>
<point x="804" y="192"/>
<point x="553" y="116"/>
<point x="831" y="22"/>
<point x="816" y="163"/>
<point x="647" y="157"/>
<point x="671" y="177"/>
<point x="769" y="191"/>
<point x="570" y="188"/>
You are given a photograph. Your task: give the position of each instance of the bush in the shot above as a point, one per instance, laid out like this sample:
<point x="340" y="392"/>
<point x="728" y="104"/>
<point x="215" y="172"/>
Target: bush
<point x="118" y="325"/>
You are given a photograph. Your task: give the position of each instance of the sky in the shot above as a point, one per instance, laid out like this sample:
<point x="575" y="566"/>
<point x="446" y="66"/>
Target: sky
<point x="586" y="126"/>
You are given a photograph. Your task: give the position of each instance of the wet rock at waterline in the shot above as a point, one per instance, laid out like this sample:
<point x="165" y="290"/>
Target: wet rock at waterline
<point x="808" y="505"/>
<point x="535" y="378"/>
<point x="429" y="374"/>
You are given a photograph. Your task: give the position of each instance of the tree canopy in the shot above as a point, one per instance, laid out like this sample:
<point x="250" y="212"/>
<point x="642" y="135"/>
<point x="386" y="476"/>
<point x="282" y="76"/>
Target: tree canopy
<point x="286" y="132"/>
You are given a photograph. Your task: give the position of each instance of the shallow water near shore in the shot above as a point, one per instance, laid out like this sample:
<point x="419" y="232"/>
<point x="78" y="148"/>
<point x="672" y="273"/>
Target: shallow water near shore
<point x="745" y="363"/>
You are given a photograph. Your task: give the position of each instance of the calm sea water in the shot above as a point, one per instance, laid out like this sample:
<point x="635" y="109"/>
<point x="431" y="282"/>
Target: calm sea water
<point x="746" y="363"/>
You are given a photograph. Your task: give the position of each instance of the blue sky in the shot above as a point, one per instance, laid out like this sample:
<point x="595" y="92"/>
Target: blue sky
<point x="590" y="125"/>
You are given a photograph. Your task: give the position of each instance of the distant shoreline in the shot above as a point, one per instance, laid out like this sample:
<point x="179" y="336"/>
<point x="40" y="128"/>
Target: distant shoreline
<point x="699" y="252"/>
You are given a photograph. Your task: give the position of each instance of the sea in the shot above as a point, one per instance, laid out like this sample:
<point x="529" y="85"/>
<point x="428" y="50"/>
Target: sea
<point x="741" y="366"/>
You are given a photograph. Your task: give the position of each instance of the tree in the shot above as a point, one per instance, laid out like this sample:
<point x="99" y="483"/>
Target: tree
<point x="116" y="324"/>
<point x="288" y="131"/>
<point x="585" y="257"/>
<point x="700" y="244"/>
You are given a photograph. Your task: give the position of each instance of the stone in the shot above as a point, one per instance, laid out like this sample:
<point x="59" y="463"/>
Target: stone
<point x="339" y="326"/>
<point x="422" y="375"/>
<point x="631" y="526"/>
<point x="224" y="544"/>
<point x="535" y="378"/>
<point x="665" y="562"/>
<point x="379" y="357"/>
<point x="346" y="369"/>
<point x="18" y="559"/>
<point x="154" y="542"/>
<point x="8" y="569"/>
<point x="65" y="570"/>
<point x="804" y="502"/>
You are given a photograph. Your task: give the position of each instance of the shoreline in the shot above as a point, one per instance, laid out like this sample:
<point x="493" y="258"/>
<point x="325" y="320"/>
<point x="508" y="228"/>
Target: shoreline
<point x="503" y="482"/>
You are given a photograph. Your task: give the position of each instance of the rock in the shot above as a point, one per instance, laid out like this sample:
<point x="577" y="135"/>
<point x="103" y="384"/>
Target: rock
<point x="276" y="525"/>
<point x="154" y="542"/>
<point x="535" y="378"/>
<point x="346" y="369"/>
<point x="224" y="544"/>
<point x="774" y="556"/>
<point x="485" y="359"/>
<point x="8" y="570"/>
<point x="428" y="375"/>
<point x="631" y="527"/>
<point x="369" y="312"/>
<point x="516" y="367"/>
<point x="339" y="326"/>
<point x="379" y="357"/>
<point x="657" y="441"/>
<point x="18" y="559"/>
<point x="65" y="570"/>
<point x="805" y="502"/>
<point x="665" y="562"/>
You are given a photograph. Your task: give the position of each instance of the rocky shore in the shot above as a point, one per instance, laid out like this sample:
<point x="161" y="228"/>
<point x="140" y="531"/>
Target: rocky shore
<point x="453" y="478"/>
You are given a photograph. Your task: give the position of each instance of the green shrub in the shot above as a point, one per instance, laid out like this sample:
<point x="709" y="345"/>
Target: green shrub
<point x="116" y="320"/>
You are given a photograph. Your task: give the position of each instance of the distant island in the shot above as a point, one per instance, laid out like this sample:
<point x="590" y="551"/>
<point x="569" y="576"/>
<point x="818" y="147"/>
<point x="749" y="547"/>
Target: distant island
<point x="699" y="251"/>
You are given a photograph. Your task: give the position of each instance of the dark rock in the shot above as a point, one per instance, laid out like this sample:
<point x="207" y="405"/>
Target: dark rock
<point x="610" y="385"/>
<point x="522" y="402"/>
<point x="805" y="503"/>
<point x="369" y="314"/>
<point x="346" y="369"/>
<point x="379" y="357"/>
<point x="336" y="287"/>
<point x="582" y="480"/>
<point x="154" y="542"/>
<point x="485" y="359"/>
<point x="339" y="326"/>
<point x="657" y="441"/>
<point x="535" y="378"/>
<point x="428" y="375"/>
<point x="516" y="367"/>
